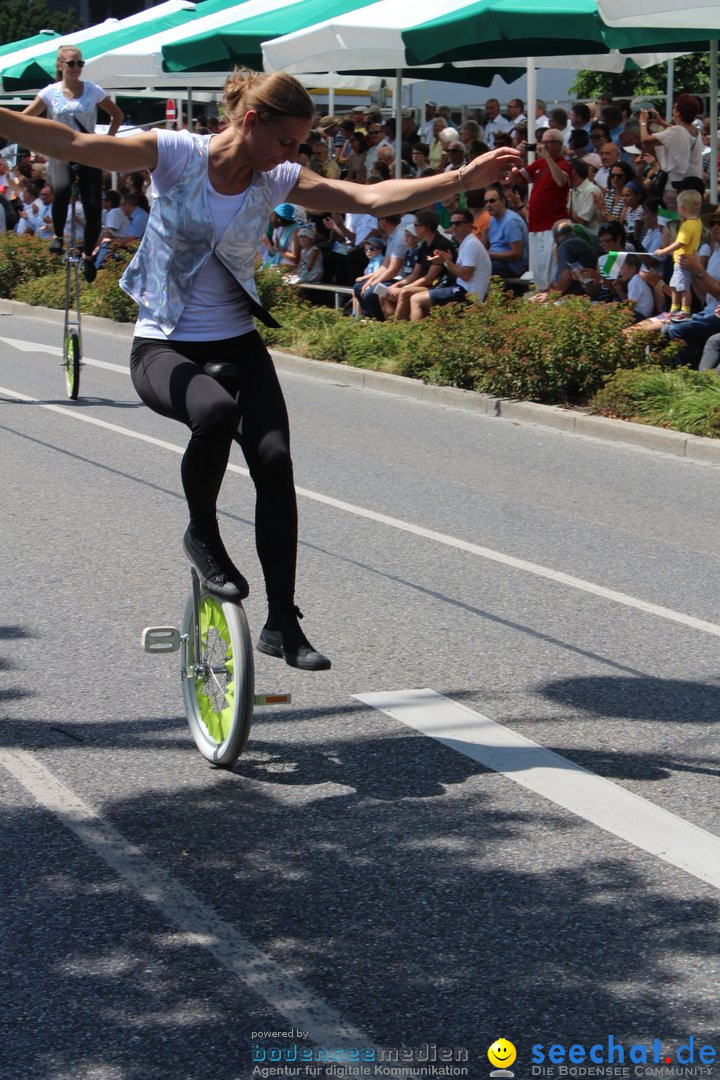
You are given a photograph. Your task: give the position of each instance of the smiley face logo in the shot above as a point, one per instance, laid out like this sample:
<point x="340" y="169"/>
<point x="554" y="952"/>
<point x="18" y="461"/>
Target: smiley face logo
<point x="502" y="1054"/>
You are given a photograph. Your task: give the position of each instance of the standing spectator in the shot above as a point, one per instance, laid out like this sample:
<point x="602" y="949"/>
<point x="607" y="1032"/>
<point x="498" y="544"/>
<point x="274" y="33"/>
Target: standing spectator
<point x="506" y="237"/>
<point x="516" y="114"/>
<point x="558" y="121"/>
<point x="550" y="176"/>
<point x="426" y="128"/>
<point x="541" y="119"/>
<point x="494" y="122"/>
<point x="75" y="103"/>
<point x="580" y="117"/>
<point x="586" y="199"/>
<point x="470" y="267"/>
<point x="687" y="243"/>
<point x="678" y="148"/>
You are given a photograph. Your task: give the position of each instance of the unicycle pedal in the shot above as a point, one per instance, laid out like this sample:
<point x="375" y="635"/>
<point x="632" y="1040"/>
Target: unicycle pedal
<point x="161" y="639"/>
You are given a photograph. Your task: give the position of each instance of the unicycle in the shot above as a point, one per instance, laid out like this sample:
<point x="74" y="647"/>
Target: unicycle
<point x="72" y="337"/>
<point x="216" y="670"/>
<point x="216" y="656"/>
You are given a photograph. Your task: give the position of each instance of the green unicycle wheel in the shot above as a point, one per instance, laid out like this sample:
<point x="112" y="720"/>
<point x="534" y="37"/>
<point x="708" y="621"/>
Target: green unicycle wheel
<point x="218" y="675"/>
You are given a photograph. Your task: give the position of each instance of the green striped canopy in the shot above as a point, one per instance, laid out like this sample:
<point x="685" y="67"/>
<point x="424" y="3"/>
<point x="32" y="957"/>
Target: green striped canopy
<point x="488" y="29"/>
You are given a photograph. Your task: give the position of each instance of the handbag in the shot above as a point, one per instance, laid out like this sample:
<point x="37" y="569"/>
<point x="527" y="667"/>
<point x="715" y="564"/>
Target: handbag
<point x="657" y="184"/>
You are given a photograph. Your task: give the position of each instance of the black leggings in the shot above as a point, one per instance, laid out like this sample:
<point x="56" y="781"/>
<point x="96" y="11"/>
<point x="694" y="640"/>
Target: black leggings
<point x="169" y="377"/>
<point x="90" y="189"/>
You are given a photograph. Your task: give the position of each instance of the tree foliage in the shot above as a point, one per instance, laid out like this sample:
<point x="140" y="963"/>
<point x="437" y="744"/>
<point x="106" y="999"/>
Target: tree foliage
<point x="692" y="74"/>
<point x="23" y="18"/>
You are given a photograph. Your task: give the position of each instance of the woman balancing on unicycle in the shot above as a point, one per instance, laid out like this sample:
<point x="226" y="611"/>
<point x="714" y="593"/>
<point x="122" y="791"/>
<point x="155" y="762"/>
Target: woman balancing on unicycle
<point x="75" y="103"/>
<point x="193" y="277"/>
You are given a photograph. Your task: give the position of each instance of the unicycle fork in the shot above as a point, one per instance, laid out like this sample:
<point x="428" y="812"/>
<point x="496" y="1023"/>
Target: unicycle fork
<point x="72" y="332"/>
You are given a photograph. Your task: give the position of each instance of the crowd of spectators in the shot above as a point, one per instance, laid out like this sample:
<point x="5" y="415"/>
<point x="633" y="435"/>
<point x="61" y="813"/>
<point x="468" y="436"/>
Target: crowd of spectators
<point x="604" y="207"/>
<point x="26" y="197"/>
<point x="606" y="178"/>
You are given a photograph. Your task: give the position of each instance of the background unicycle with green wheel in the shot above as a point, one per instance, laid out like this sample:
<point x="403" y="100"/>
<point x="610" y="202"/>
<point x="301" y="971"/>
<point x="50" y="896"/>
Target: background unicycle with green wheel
<point x="72" y="335"/>
<point x="217" y="672"/>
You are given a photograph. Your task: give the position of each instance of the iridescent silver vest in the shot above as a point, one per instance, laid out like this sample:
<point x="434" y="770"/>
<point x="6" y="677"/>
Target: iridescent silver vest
<point x="179" y="239"/>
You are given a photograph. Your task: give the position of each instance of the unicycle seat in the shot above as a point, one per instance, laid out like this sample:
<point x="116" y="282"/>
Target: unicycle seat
<point x="225" y="373"/>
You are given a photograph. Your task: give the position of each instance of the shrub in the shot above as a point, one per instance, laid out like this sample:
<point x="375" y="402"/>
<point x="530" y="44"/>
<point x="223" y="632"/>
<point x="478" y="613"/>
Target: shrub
<point x="23" y="258"/>
<point x="104" y="297"/>
<point x="682" y="399"/>
<point x="552" y="353"/>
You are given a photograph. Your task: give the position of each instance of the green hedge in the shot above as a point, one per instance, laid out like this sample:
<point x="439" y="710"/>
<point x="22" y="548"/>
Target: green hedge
<point x="29" y="273"/>
<point x="552" y="353"/>
<point x="684" y="400"/>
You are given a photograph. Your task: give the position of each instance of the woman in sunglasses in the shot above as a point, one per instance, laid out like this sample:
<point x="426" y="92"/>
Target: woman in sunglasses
<point x="74" y="103"/>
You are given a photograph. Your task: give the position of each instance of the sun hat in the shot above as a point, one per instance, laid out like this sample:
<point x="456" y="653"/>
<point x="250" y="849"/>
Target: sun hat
<point x="373" y="240"/>
<point x="327" y="122"/>
<point x="285" y="210"/>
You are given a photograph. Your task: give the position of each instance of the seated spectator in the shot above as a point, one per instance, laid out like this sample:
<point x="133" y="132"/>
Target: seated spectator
<point x="282" y="248"/>
<point x="131" y="231"/>
<point x="506" y="237"/>
<point x="470" y="267"/>
<point x="630" y="286"/>
<point x="374" y="249"/>
<point x="310" y="263"/>
<point x="355" y="169"/>
<point x="390" y="268"/>
<point x="425" y="273"/>
<point x="633" y="215"/>
<point x="322" y="163"/>
<point x="420" y="158"/>
<point x="693" y="333"/>
<point x="620" y="174"/>
<point x="609" y="157"/>
<point x="45" y="230"/>
<point x="572" y="253"/>
<point x="710" y="359"/>
<point x="30" y="217"/>
<point x="135" y="184"/>
<point x="455" y="156"/>
<point x="388" y="294"/>
<point x="586" y="202"/>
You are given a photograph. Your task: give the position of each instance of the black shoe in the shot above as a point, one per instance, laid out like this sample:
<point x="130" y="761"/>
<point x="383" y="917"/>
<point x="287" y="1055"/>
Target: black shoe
<point x="291" y="645"/>
<point x="89" y="269"/>
<point x="207" y="553"/>
<point x="56" y="248"/>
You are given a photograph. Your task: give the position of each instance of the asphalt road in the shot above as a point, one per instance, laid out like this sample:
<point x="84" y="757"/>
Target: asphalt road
<point x="529" y="849"/>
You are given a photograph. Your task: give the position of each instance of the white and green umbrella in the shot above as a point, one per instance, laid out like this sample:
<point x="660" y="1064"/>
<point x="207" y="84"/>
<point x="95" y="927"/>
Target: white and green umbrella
<point x="33" y="67"/>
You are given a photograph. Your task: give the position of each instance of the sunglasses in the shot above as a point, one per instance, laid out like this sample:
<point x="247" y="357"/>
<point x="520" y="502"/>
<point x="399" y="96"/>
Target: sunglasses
<point x="487" y="202"/>
<point x="74" y="63"/>
<point x="454" y="223"/>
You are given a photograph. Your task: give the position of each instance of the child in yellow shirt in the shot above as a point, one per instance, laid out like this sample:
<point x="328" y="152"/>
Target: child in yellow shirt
<point x="689" y="204"/>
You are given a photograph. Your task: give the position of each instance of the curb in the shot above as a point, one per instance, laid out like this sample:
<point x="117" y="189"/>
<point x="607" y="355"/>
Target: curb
<point x="678" y="443"/>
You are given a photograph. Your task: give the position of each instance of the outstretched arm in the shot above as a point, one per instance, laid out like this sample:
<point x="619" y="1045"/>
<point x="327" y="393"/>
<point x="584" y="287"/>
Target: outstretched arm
<point x="317" y="194"/>
<point x="57" y="141"/>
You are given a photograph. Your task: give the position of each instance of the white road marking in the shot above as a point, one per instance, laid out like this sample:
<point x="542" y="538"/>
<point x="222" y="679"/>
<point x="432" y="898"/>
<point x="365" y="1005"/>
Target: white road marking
<point x="556" y="778"/>
<point x="55" y="350"/>
<point x="557" y="576"/>
<point x="286" y="995"/>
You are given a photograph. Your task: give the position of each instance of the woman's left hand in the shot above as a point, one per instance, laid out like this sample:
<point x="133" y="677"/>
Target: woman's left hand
<point x="486" y="168"/>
